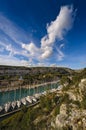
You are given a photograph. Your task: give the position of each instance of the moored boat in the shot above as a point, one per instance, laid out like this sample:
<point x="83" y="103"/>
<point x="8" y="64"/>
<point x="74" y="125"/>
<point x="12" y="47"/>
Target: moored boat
<point x="7" y="106"/>
<point x="13" y="104"/>
<point x="33" y="98"/>
<point x="44" y="93"/>
<point x="18" y="103"/>
<point x="28" y="99"/>
<point x="23" y="101"/>
<point x="1" y="108"/>
<point x="37" y="95"/>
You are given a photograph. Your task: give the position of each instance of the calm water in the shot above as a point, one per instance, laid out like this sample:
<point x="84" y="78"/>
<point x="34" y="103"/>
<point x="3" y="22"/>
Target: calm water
<point x="20" y="93"/>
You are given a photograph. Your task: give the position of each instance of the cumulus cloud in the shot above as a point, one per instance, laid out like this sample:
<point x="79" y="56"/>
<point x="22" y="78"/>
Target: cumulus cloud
<point x="46" y="52"/>
<point x="12" y="61"/>
<point x="12" y="51"/>
<point x="31" y="48"/>
<point x="57" y="29"/>
<point x="60" y="26"/>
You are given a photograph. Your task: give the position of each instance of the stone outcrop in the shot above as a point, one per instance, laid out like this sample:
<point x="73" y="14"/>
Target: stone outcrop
<point x="72" y="116"/>
<point x="76" y="119"/>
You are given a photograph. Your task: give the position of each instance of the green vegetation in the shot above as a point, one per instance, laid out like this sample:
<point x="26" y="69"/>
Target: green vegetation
<point x="83" y="103"/>
<point x="77" y="103"/>
<point x="40" y="116"/>
<point x="37" y="75"/>
<point x="36" y="118"/>
<point x="56" y="110"/>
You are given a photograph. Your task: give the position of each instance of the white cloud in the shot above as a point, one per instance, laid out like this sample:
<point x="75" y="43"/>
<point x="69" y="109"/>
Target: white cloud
<point x="55" y="30"/>
<point x="7" y="60"/>
<point x="62" y="46"/>
<point x="12" y="30"/>
<point x="60" y="26"/>
<point x="46" y="52"/>
<point x="40" y="64"/>
<point x="33" y="50"/>
<point x="4" y="46"/>
<point x="60" y="54"/>
<point x="53" y="65"/>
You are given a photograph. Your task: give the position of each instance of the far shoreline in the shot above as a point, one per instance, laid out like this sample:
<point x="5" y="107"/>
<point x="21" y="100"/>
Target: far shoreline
<point x="26" y="86"/>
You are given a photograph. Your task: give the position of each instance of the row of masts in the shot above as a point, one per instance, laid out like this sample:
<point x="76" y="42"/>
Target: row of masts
<point x="9" y="106"/>
<point x="17" y="104"/>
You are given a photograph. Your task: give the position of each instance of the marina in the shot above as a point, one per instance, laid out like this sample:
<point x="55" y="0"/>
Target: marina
<point x="15" y="99"/>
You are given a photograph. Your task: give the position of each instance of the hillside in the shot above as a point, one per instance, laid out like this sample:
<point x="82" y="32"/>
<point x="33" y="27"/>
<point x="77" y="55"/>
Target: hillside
<point x="10" y="75"/>
<point x="60" y="110"/>
<point x="15" y="70"/>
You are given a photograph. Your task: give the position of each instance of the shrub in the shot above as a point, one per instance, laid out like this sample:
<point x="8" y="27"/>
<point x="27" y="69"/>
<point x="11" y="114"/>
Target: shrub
<point x="57" y="110"/>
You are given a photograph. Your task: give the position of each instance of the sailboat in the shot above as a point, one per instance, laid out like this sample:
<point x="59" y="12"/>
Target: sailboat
<point x="7" y="106"/>
<point x="44" y="93"/>
<point x="1" y="108"/>
<point x="34" y="99"/>
<point x="37" y="95"/>
<point x="28" y="99"/>
<point x="23" y="101"/>
<point x="18" y="102"/>
<point x="13" y="104"/>
<point x="34" y="88"/>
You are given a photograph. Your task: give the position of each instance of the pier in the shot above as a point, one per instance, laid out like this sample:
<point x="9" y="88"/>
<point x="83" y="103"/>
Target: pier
<point x="6" y="115"/>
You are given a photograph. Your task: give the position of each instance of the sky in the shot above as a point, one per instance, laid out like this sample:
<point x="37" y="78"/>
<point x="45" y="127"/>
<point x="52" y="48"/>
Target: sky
<point x="43" y="33"/>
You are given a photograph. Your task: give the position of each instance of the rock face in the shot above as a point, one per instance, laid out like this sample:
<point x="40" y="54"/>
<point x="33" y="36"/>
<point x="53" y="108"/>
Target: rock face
<point x="61" y="118"/>
<point x="72" y="96"/>
<point x="15" y="70"/>
<point x="82" y="87"/>
<point x="72" y="115"/>
<point x="76" y="119"/>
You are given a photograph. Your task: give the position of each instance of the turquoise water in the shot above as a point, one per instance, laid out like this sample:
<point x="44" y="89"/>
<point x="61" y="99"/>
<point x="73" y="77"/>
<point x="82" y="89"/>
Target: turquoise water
<point x="21" y="93"/>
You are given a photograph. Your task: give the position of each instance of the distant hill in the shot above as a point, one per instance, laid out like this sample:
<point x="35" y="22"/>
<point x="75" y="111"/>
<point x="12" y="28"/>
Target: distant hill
<point x="16" y="70"/>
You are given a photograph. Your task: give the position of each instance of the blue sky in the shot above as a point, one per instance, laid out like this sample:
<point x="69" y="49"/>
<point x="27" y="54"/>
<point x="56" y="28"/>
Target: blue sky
<point x="43" y="33"/>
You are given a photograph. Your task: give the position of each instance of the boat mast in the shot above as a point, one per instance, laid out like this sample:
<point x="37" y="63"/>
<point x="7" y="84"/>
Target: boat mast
<point x="20" y="79"/>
